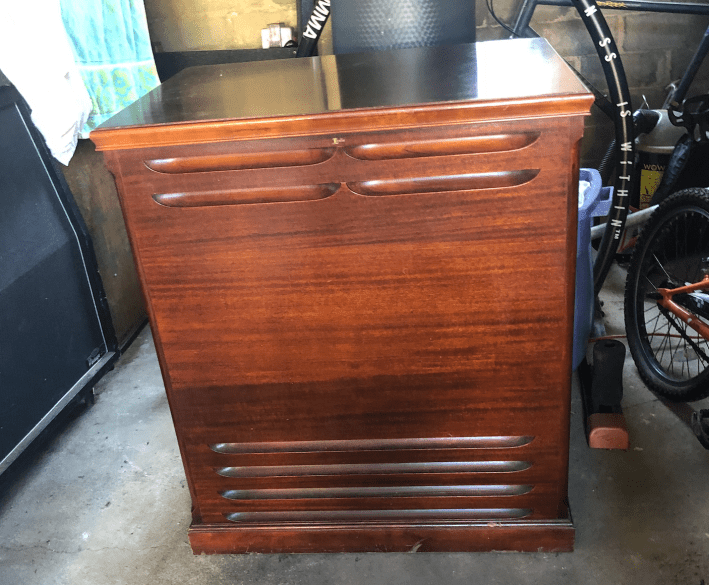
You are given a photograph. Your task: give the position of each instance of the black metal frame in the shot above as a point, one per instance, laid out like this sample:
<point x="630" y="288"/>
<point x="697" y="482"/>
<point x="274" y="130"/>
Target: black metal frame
<point x="522" y="27"/>
<point x="312" y="27"/>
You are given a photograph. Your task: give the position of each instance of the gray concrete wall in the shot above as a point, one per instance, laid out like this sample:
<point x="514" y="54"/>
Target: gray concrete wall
<point x="192" y="25"/>
<point x="655" y="48"/>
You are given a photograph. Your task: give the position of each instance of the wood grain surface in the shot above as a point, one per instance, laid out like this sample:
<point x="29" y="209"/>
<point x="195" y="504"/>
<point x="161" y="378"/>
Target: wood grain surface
<point x="365" y="331"/>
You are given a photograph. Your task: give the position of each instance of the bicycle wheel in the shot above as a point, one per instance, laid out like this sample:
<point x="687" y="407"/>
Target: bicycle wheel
<point x="673" y="251"/>
<point x="621" y="110"/>
<point x="617" y="107"/>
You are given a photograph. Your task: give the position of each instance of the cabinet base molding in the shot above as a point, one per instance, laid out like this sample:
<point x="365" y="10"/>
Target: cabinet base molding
<point x="514" y="536"/>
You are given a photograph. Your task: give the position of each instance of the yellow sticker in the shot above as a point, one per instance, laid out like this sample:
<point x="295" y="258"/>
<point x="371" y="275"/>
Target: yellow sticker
<point x="649" y="182"/>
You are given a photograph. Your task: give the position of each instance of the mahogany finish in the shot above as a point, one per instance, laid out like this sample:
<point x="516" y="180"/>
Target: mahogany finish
<point x="362" y="296"/>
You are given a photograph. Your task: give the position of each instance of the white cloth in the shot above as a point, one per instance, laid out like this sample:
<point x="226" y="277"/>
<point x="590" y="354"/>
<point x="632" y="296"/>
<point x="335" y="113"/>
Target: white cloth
<point x="35" y="55"/>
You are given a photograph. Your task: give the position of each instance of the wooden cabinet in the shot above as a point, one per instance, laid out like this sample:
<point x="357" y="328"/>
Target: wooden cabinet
<point x="360" y="277"/>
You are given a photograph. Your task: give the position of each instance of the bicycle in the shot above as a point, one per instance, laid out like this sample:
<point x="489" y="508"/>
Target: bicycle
<point x="667" y="289"/>
<point x="667" y="298"/>
<point x="667" y="303"/>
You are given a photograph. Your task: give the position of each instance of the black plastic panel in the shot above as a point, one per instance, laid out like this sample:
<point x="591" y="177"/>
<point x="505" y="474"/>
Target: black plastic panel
<point x="53" y="316"/>
<point x="367" y="25"/>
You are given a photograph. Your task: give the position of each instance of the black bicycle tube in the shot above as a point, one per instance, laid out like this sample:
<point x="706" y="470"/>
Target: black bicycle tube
<point x="640" y="5"/>
<point x="624" y="135"/>
<point x="681" y="91"/>
<point x="524" y="16"/>
<point x="313" y="29"/>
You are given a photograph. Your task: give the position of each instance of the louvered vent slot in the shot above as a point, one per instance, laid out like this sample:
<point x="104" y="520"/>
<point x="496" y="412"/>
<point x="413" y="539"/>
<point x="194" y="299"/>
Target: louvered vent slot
<point x="402" y="489"/>
<point x="419" y="516"/>
<point x="246" y="196"/>
<point x="448" y="183"/>
<point x="443" y="146"/>
<point x="493" y="442"/>
<point x="240" y="161"/>
<point x="374" y="468"/>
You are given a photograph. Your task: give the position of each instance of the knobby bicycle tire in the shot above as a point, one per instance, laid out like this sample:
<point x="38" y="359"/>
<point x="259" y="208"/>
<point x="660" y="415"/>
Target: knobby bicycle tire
<point x="672" y="251"/>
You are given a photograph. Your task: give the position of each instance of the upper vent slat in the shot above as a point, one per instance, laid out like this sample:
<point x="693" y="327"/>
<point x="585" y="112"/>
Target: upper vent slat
<point x="443" y="146"/>
<point x="467" y="182"/>
<point x="247" y="196"/>
<point x="240" y="161"/>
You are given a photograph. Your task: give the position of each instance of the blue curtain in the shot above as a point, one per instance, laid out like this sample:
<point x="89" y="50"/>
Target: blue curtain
<point x="112" y="50"/>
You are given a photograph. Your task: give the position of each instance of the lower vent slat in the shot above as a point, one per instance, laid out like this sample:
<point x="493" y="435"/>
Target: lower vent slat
<point x="420" y="516"/>
<point x="374" y="468"/>
<point x="406" y="491"/>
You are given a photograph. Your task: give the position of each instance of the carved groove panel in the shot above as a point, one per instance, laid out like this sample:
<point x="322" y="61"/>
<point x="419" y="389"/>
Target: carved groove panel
<point x="371" y="166"/>
<point x="377" y="491"/>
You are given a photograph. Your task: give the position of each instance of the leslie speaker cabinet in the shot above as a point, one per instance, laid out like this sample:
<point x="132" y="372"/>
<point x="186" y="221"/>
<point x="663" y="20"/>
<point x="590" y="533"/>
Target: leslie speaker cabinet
<point x="360" y="277"/>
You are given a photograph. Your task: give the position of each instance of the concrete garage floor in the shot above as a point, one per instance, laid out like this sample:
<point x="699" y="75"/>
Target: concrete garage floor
<point x="104" y="501"/>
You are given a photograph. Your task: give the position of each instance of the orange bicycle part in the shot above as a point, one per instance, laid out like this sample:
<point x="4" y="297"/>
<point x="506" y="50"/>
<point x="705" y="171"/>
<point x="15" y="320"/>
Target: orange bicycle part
<point x="669" y="304"/>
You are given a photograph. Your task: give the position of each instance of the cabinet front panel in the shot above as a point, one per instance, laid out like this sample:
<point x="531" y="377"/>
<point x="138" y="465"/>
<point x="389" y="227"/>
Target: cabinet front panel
<point x="364" y="327"/>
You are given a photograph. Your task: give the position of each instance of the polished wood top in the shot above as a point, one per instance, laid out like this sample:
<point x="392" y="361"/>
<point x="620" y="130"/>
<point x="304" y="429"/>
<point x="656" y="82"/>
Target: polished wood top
<point x="341" y="86"/>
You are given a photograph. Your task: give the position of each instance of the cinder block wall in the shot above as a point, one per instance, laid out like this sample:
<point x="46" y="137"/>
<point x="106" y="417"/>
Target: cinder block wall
<point x="655" y="48"/>
<point x="196" y="25"/>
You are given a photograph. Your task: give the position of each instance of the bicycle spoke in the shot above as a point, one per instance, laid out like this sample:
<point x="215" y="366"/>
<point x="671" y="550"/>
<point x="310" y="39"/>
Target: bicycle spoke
<point x="675" y="336"/>
<point x="662" y="267"/>
<point x="672" y="357"/>
<point x="683" y="333"/>
<point x="661" y="348"/>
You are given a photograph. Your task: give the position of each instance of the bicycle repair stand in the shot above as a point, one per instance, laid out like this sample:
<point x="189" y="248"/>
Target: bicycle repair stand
<point x="700" y="426"/>
<point x="601" y="394"/>
<point x="602" y="383"/>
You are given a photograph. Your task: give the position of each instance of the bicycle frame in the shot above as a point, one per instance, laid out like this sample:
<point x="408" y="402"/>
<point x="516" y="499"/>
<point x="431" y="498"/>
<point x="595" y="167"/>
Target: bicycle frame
<point x="625" y="138"/>
<point x="312" y="28"/>
<point x="668" y="303"/>
<point x="524" y="17"/>
<point x="526" y="11"/>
